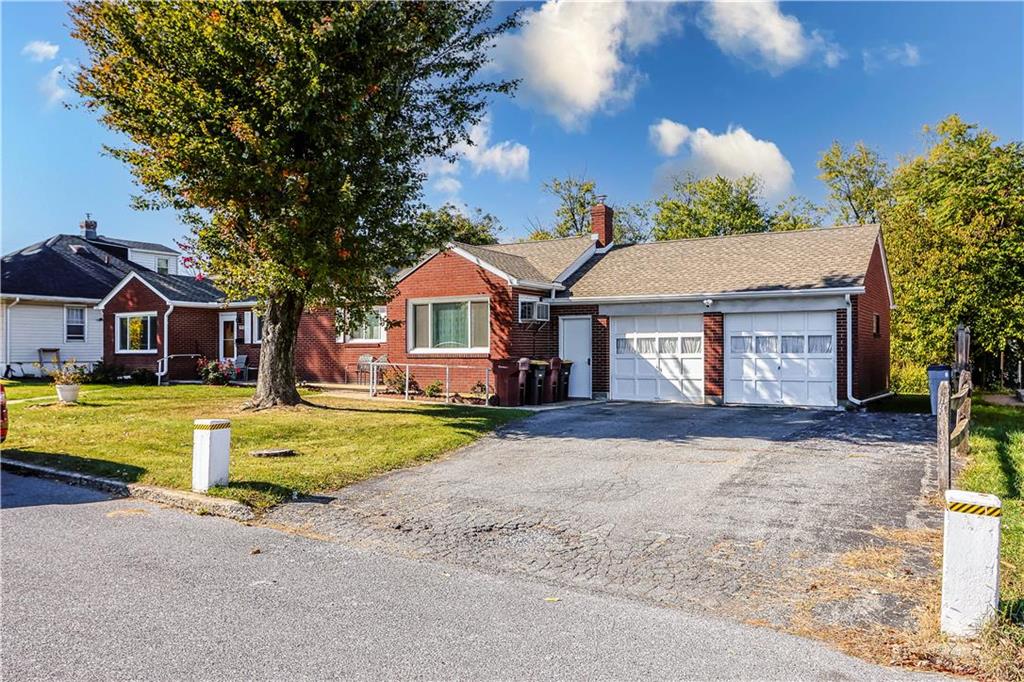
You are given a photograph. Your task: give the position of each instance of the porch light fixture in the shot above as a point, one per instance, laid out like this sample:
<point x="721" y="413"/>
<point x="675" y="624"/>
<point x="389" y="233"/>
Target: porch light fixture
<point x="708" y="302"/>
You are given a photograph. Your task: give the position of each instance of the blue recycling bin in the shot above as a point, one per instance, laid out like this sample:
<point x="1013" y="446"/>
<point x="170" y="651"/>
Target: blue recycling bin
<point x="936" y="375"/>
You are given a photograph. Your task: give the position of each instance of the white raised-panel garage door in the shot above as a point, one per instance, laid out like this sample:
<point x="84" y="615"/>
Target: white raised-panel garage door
<point x="781" y="358"/>
<point x="658" y="357"/>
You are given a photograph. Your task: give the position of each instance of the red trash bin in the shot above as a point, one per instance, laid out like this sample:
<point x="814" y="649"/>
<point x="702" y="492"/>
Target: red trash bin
<point x="551" y="392"/>
<point x="508" y="384"/>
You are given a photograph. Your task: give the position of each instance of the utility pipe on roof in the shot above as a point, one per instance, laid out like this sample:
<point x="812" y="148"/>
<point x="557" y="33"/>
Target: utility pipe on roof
<point x="849" y="360"/>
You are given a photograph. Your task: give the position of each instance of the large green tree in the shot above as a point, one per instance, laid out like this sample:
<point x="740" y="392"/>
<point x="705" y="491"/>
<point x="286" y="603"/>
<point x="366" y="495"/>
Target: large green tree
<point x="955" y="241"/>
<point x="290" y="136"/>
<point x="575" y="196"/>
<point x="476" y="227"/>
<point x="710" y="207"/>
<point x="857" y="182"/>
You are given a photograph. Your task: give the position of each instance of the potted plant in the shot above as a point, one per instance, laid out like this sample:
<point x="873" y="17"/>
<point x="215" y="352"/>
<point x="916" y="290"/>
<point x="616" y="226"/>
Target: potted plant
<point x="68" y="378"/>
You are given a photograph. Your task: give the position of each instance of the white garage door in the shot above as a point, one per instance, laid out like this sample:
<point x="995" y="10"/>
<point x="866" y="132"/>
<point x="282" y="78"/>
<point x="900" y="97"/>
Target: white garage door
<point x="780" y="358"/>
<point x="658" y="358"/>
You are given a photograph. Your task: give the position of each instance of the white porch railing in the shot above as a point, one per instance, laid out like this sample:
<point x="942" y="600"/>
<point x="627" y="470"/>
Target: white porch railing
<point x="407" y="368"/>
<point x="161" y="364"/>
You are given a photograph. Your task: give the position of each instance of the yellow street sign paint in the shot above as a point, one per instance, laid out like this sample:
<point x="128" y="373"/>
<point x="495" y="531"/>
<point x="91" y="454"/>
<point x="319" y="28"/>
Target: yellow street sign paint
<point x="979" y="509"/>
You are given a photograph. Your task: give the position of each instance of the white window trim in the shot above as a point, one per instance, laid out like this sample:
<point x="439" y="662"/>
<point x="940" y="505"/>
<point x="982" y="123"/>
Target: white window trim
<point x="410" y="338"/>
<point x="85" y="324"/>
<point x="519" y="305"/>
<point x="117" y="333"/>
<point x="167" y="260"/>
<point x="382" y="311"/>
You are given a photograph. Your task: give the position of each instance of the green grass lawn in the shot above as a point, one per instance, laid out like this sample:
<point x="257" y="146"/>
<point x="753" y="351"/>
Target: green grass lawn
<point x="144" y="434"/>
<point x="20" y="389"/>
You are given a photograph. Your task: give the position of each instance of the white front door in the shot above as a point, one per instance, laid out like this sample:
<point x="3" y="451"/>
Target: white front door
<point x="574" y="345"/>
<point x="226" y="336"/>
<point x="658" y="357"/>
<point x="780" y="358"/>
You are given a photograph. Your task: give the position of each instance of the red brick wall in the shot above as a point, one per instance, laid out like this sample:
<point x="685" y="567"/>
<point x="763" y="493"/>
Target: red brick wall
<point x="599" y="339"/>
<point x="840" y="354"/>
<point x="871" y="352"/>
<point x="192" y="330"/>
<point x="714" y="358"/>
<point x="134" y="297"/>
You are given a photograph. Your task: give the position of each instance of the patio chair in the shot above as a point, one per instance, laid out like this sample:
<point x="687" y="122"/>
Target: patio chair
<point x="241" y="363"/>
<point x="363" y="368"/>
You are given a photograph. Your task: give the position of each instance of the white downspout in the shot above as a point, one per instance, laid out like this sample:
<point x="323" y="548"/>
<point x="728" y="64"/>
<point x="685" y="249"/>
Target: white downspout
<point x="167" y="341"/>
<point x="849" y="360"/>
<point x="7" y="332"/>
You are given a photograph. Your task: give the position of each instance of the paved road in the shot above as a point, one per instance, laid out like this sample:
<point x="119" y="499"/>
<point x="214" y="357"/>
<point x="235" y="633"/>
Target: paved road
<point x="116" y="589"/>
<point x="687" y="506"/>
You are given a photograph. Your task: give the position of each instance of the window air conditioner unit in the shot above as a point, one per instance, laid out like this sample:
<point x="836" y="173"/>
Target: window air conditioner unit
<point x="534" y="311"/>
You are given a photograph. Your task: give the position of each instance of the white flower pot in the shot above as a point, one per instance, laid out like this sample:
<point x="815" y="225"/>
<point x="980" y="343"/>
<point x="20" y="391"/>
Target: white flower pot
<point x="68" y="393"/>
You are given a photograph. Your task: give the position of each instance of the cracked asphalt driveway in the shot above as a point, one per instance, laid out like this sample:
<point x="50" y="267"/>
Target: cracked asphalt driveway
<point x="686" y="506"/>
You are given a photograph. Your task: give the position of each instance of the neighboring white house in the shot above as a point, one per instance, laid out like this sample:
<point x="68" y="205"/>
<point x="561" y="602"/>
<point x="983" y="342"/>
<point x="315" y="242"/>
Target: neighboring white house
<point x="49" y="290"/>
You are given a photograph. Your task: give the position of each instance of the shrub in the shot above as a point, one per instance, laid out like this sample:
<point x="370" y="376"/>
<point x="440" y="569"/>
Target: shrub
<point x="104" y="373"/>
<point x="143" y="377"/>
<point x="906" y="377"/>
<point x="433" y="389"/>
<point x="393" y="379"/>
<point x="215" y="372"/>
<point x="479" y="387"/>
<point x="66" y="373"/>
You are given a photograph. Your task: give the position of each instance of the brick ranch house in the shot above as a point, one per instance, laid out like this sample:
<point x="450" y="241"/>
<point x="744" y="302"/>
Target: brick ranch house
<point x="790" y="318"/>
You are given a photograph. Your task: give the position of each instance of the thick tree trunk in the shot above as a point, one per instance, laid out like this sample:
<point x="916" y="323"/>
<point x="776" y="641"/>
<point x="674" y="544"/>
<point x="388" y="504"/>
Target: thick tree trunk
<point x="275" y="382"/>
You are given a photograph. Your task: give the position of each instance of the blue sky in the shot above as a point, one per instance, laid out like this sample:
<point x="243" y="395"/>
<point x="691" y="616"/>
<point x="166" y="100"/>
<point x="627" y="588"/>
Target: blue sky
<point x="624" y="93"/>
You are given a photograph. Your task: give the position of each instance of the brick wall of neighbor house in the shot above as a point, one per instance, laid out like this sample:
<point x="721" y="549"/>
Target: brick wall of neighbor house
<point x="871" y="352"/>
<point x="841" y="354"/>
<point x="714" y="358"/>
<point x="134" y="297"/>
<point x="192" y="331"/>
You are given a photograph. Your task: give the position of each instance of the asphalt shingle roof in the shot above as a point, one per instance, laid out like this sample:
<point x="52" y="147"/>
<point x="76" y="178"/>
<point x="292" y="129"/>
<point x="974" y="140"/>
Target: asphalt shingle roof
<point x="517" y="266"/>
<point x="183" y="288"/>
<point x="772" y="261"/>
<point x="129" y="244"/>
<point x="549" y="257"/>
<point x="64" y="266"/>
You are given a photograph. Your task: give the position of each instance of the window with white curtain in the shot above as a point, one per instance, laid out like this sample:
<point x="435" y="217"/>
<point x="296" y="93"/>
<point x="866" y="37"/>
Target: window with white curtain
<point x="451" y="326"/>
<point x="74" y="323"/>
<point x="135" y="333"/>
<point x="819" y="344"/>
<point x="668" y="345"/>
<point x="646" y="345"/>
<point x="767" y="344"/>
<point x="691" y="345"/>
<point x="792" y="344"/>
<point x="623" y="346"/>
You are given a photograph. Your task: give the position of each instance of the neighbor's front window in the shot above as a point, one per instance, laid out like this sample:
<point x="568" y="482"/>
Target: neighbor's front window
<point x="451" y="326"/>
<point x="372" y="329"/>
<point x="74" y="323"/>
<point x="136" y="333"/>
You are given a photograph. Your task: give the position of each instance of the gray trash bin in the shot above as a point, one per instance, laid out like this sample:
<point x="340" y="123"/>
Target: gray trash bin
<point x="936" y="375"/>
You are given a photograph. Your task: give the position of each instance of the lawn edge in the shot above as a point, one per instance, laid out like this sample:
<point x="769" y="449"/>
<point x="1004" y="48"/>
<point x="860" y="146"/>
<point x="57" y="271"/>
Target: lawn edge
<point x="195" y="503"/>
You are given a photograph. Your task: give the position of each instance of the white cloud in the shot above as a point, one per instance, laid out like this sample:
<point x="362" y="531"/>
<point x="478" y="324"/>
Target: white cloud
<point x="571" y="56"/>
<point x="506" y="159"/>
<point x="906" y="54"/>
<point x="446" y="184"/>
<point x="731" y="154"/>
<point x="40" y="51"/>
<point x="51" y="87"/>
<point x="667" y="136"/>
<point x="760" y="33"/>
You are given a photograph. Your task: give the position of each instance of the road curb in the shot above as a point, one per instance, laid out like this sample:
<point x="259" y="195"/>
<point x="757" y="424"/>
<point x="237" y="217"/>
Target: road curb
<point x="182" y="499"/>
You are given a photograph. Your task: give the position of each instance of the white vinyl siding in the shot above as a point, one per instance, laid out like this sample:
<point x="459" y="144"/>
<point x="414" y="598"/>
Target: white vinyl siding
<point x="34" y="326"/>
<point x="783" y="358"/>
<point x="658" y="357"/>
<point x="151" y="260"/>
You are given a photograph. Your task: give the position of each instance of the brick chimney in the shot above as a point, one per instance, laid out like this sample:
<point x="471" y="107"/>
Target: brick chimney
<point x="601" y="223"/>
<point x="88" y="228"/>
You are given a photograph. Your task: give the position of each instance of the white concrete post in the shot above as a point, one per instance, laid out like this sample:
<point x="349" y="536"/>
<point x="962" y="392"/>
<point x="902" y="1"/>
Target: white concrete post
<point x="211" y="448"/>
<point x="970" y="561"/>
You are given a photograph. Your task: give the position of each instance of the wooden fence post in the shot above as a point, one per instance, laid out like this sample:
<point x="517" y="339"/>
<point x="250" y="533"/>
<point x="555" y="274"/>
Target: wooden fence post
<point x="942" y="436"/>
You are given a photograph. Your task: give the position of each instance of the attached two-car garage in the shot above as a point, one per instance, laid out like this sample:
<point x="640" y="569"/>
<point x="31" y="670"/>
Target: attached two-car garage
<point x="784" y="358"/>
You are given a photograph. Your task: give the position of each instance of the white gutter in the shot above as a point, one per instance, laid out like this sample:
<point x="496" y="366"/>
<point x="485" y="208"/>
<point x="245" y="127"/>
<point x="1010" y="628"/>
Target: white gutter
<point x="7" y="332"/>
<point x="849" y="360"/>
<point x="775" y="293"/>
<point x="49" y="299"/>
<point x="167" y="340"/>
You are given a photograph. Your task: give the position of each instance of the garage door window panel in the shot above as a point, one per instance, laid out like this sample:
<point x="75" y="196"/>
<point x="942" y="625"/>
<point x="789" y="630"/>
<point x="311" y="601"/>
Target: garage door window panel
<point x="819" y="344"/>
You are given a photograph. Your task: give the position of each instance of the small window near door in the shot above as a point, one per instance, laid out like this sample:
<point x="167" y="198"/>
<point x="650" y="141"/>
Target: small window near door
<point x="741" y="344"/>
<point x="876" y="324"/>
<point x="163" y="265"/>
<point x="74" y="323"/>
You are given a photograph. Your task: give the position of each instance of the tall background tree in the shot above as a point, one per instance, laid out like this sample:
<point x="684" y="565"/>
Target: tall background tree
<point x="290" y="137"/>
<point x="475" y="227"/>
<point x="575" y="196"/>
<point x="954" y="235"/>
<point x="857" y="183"/>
